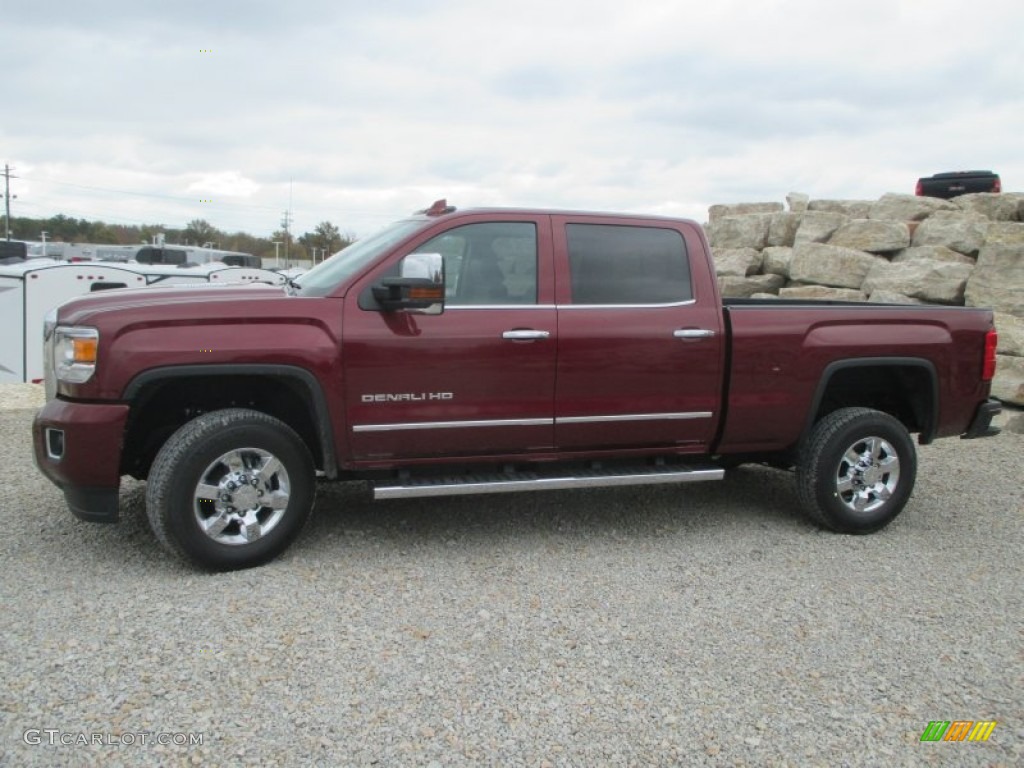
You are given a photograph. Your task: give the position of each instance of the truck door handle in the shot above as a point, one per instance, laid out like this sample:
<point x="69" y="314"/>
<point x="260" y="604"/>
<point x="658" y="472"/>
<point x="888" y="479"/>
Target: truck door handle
<point x="693" y="333"/>
<point x="525" y="335"/>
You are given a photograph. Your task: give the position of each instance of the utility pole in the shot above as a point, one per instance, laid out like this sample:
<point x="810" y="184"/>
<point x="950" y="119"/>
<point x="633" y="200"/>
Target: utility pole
<point x="277" y="253"/>
<point x="7" y="198"/>
<point x="44" y="243"/>
<point x="285" y="223"/>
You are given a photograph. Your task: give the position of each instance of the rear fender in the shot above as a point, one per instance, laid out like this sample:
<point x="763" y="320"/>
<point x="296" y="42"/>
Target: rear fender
<point x="930" y="411"/>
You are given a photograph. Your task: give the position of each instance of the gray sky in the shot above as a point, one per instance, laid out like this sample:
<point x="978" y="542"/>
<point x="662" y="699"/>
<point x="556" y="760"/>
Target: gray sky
<point x="140" y="112"/>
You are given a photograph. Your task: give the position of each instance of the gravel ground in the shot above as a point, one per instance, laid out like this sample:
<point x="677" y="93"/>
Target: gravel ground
<point x="707" y="625"/>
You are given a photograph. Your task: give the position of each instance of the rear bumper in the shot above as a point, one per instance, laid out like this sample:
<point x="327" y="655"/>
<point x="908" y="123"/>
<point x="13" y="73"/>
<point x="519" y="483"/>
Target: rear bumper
<point x="981" y="424"/>
<point x="77" y="446"/>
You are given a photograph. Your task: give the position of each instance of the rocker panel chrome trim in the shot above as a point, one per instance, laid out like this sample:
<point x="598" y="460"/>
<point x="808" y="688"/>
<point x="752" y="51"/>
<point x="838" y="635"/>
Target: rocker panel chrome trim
<point x="544" y="484"/>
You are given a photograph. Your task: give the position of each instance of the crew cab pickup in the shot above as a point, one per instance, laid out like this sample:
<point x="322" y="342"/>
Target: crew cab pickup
<point x="956" y="183"/>
<point x="489" y="351"/>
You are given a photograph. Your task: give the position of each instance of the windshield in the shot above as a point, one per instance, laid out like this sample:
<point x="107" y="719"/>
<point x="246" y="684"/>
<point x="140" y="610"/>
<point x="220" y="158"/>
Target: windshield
<point x="326" y="276"/>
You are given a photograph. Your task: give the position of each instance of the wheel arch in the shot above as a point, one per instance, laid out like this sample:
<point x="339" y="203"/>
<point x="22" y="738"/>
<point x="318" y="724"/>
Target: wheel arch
<point x="163" y="399"/>
<point x="906" y="388"/>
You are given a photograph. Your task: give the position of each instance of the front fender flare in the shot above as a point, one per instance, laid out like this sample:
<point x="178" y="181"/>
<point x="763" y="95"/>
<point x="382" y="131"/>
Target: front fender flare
<point x="309" y="383"/>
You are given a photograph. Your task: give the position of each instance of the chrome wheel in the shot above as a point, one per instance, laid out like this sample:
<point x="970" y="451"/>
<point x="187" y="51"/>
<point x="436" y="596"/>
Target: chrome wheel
<point x="856" y="470"/>
<point x="868" y="474"/>
<point x="241" y="496"/>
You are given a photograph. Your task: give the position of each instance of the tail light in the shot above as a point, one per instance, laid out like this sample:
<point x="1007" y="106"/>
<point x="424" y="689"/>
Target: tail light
<point x="998" y="186"/>
<point x="988" y="368"/>
<point x="919" y="189"/>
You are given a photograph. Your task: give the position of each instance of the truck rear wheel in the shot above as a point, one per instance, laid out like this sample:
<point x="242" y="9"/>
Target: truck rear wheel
<point x="857" y="470"/>
<point x="230" y="489"/>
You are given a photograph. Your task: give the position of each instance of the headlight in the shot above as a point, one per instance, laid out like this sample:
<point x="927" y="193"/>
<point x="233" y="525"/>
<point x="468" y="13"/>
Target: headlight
<point x="74" y="353"/>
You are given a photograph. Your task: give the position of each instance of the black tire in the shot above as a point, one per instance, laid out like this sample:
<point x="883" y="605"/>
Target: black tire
<point x="859" y="496"/>
<point x="244" y="458"/>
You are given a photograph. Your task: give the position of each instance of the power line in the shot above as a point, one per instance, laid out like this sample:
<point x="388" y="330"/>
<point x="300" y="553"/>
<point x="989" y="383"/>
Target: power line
<point x="93" y="188"/>
<point x="230" y="211"/>
<point x="75" y="213"/>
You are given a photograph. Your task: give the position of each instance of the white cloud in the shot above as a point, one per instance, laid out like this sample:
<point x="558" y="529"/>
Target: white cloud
<point x="224" y="184"/>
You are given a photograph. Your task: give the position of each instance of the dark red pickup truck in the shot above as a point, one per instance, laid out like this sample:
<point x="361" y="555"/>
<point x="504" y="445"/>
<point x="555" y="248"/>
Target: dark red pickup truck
<point x="488" y="351"/>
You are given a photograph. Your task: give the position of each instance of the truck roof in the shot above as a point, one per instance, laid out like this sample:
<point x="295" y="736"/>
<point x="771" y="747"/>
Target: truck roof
<point x="441" y="208"/>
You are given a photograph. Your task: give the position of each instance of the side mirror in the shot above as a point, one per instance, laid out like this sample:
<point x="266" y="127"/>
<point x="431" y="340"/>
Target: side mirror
<point x="420" y="288"/>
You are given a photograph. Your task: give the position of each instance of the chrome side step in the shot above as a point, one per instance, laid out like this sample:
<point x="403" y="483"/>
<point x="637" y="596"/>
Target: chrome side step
<point x="533" y="481"/>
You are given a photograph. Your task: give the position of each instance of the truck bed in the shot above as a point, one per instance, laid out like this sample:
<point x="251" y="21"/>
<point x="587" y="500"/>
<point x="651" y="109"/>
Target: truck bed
<point x="782" y="351"/>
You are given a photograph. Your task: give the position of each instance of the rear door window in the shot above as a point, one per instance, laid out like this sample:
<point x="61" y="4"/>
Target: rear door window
<point x="627" y="265"/>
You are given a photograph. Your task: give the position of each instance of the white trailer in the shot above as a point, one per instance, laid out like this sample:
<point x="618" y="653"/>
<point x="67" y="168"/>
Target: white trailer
<point x="158" y="253"/>
<point x="213" y="272"/>
<point x="32" y="288"/>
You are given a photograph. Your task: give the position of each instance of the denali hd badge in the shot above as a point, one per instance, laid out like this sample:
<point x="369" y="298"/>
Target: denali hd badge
<point x="407" y="397"/>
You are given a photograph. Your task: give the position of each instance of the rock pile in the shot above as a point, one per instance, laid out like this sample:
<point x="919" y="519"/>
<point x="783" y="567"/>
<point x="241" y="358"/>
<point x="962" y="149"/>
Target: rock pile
<point x="903" y="249"/>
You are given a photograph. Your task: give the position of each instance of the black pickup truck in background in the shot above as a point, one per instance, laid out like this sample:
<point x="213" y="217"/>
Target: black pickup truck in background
<point x="947" y="185"/>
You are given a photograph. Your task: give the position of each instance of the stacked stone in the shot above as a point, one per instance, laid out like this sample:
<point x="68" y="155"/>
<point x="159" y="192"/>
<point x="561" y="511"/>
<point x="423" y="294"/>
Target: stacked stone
<point x="902" y="249"/>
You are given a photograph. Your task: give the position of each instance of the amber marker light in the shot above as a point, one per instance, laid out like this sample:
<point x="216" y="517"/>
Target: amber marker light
<point x="84" y="350"/>
<point x="426" y="294"/>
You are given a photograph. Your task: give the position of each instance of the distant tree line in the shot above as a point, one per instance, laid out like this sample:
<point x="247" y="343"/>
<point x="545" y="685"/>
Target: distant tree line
<point x="325" y="237"/>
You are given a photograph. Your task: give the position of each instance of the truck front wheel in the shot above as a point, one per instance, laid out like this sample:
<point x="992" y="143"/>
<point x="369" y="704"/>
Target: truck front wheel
<point x="856" y="470"/>
<point x="230" y="489"/>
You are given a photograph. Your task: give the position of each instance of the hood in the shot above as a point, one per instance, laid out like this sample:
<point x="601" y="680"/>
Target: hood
<point x="190" y="300"/>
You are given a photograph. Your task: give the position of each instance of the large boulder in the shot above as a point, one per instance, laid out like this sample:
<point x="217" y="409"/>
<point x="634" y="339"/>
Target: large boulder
<point x="716" y="212"/>
<point x="782" y="229"/>
<point x="737" y="262"/>
<point x="818" y="226"/>
<point x="776" y="260"/>
<point x="831" y="265"/>
<point x="998" y="278"/>
<point x="872" y="235"/>
<point x="883" y="296"/>
<point x="958" y="231"/>
<point x="1008" y="385"/>
<point x="821" y="293"/>
<point x="940" y="282"/>
<point x="1015" y="424"/>
<point x="797" y="201"/>
<point x="1005" y="233"/>
<point x="750" y="231"/>
<point x="1011" y="334"/>
<point x="933" y="252"/>
<point x="854" y="209"/>
<point x="991" y="206"/>
<point x="908" y="207"/>
<point x="745" y="287"/>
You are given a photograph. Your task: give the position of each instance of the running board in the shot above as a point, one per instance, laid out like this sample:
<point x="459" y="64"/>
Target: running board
<point x="531" y="481"/>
